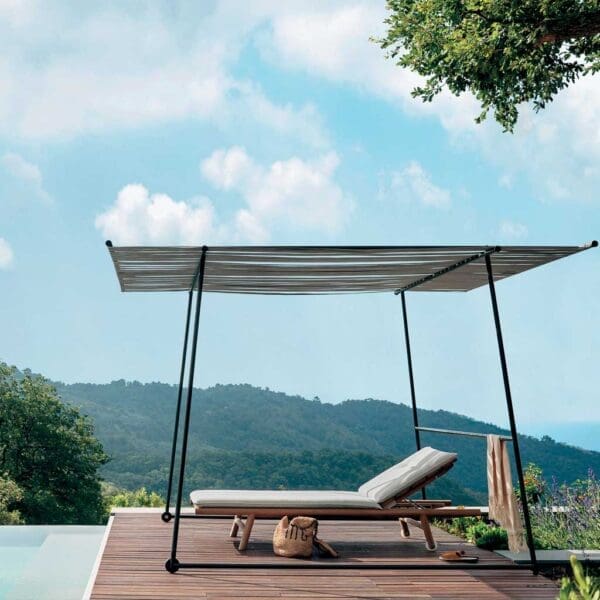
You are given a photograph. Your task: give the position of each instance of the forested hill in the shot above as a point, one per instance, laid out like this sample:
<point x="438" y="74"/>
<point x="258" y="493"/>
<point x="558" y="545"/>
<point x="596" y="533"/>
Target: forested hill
<point x="247" y="436"/>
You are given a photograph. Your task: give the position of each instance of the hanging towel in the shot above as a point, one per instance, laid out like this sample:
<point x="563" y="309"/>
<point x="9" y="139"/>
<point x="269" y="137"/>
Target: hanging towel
<point x="503" y="507"/>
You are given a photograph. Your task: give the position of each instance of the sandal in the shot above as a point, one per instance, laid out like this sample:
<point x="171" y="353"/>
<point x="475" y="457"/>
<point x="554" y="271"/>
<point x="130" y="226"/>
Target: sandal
<point x="458" y="556"/>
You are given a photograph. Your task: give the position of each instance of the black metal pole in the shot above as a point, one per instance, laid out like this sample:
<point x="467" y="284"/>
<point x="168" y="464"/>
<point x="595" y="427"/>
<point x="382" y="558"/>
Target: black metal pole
<point x="411" y="378"/>
<point x="167" y="515"/>
<point x="511" y="416"/>
<point x="172" y="565"/>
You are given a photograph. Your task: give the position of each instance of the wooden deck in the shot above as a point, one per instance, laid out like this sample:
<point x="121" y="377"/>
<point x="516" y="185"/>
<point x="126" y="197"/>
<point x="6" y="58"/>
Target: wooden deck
<point x="132" y="565"/>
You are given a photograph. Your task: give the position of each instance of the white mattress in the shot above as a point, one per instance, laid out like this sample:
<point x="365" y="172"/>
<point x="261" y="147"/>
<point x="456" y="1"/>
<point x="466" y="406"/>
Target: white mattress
<point x="281" y="499"/>
<point x="401" y="478"/>
<point x="392" y="483"/>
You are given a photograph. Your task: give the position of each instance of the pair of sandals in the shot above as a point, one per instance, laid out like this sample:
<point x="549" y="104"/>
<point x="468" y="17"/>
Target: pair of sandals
<point x="458" y="556"/>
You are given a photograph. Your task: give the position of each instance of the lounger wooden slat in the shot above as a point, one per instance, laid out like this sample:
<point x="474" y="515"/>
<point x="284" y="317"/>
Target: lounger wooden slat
<point x="390" y="514"/>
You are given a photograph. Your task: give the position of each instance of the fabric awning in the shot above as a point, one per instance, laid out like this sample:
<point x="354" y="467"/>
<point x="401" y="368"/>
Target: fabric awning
<point x="325" y="269"/>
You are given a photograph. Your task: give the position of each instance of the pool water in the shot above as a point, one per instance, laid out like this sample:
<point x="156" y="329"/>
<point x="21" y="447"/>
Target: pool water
<point x="47" y="562"/>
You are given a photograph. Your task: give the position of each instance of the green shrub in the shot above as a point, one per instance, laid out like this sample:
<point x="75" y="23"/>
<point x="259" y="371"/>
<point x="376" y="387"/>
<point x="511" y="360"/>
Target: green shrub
<point x="562" y="516"/>
<point x="476" y="531"/>
<point x="10" y="493"/>
<point x="459" y="526"/>
<point x="495" y="538"/>
<point x="568" y="516"/>
<point x="580" y="586"/>
<point x="535" y="485"/>
<point x="114" y="497"/>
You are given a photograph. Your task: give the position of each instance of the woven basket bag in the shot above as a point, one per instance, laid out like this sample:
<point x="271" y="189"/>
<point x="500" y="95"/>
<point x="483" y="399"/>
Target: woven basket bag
<point x="296" y="538"/>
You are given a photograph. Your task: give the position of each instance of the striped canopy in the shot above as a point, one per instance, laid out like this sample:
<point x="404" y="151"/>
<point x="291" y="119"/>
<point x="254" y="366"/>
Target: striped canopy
<point x="325" y="269"/>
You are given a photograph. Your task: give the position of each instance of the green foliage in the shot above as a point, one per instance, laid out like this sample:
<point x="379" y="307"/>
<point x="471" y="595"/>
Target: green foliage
<point x="460" y="525"/>
<point x="48" y="450"/>
<point x="241" y="435"/>
<point x="10" y="494"/>
<point x="568" y="516"/>
<point x="562" y="516"/>
<point x="113" y="497"/>
<point x="476" y="531"/>
<point x="493" y="538"/>
<point x="503" y="52"/>
<point x="534" y="483"/>
<point x="580" y="586"/>
<point x="139" y="497"/>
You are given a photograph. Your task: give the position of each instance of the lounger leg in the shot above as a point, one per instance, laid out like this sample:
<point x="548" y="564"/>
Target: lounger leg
<point x="404" y="530"/>
<point x="235" y="526"/>
<point x="246" y="534"/>
<point x="426" y="527"/>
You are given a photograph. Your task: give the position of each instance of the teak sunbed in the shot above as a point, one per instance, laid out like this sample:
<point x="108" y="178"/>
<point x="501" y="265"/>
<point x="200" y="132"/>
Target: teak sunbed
<point x="385" y="497"/>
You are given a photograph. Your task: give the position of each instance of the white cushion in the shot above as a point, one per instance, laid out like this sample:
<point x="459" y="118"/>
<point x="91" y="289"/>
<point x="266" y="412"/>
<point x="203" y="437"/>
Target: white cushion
<point x="281" y="499"/>
<point x="401" y="478"/>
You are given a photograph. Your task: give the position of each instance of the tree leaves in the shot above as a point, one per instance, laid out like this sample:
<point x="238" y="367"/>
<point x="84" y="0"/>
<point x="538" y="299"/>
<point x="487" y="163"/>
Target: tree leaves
<point x="48" y="450"/>
<point x="505" y="52"/>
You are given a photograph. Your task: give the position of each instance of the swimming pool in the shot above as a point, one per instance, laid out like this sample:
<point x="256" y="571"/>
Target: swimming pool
<point x="47" y="562"/>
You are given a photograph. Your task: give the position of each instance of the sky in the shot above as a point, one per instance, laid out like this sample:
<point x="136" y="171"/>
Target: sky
<point x="267" y="122"/>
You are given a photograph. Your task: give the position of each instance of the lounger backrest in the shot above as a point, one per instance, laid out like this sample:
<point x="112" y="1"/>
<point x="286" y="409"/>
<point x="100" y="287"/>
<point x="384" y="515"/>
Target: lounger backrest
<point x="401" y="479"/>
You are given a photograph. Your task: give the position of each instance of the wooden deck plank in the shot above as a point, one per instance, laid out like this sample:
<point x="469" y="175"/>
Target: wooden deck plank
<point x="132" y="565"/>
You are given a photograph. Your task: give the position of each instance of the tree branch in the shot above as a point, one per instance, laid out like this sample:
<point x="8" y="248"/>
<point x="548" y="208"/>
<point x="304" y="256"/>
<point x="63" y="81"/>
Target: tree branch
<point x="557" y="30"/>
<point x="586" y="25"/>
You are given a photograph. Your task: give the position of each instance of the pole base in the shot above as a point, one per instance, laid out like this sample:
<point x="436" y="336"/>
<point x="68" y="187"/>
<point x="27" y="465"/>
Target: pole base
<point x="172" y="565"/>
<point x="166" y="516"/>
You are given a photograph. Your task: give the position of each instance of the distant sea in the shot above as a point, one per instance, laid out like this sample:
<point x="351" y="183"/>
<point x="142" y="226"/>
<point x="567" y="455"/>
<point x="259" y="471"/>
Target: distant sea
<point x="582" y="435"/>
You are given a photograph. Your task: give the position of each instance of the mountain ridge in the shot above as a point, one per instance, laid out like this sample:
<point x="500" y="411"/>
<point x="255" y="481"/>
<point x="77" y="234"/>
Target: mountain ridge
<point x="245" y="436"/>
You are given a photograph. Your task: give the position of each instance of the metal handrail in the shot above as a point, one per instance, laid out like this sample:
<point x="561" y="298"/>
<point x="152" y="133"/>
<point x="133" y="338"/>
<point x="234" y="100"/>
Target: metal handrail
<point x="505" y="438"/>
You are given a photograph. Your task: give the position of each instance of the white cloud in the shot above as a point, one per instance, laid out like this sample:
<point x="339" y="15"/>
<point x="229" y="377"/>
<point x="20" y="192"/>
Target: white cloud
<point x="333" y="41"/>
<point x="6" y="254"/>
<point x="248" y="227"/>
<point x="21" y="169"/>
<point x="557" y="150"/>
<point x="227" y="169"/>
<point x="175" y="62"/>
<point x="138" y="217"/>
<point x="65" y="73"/>
<point x="291" y="195"/>
<point x="15" y="12"/>
<point x="304" y="123"/>
<point x="413" y="184"/>
<point x="293" y="192"/>
<point x="162" y="64"/>
<point x="512" y="230"/>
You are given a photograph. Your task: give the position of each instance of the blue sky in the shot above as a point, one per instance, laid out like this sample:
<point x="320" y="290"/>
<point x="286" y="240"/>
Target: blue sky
<point x="168" y="123"/>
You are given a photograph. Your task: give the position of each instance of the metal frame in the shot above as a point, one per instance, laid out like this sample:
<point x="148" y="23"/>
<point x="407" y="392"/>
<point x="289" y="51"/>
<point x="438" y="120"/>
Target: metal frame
<point x="509" y="405"/>
<point x="475" y="434"/>
<point x="308" y="565"/>
<point x="449" y="269"/>
<point x="411" y="378"/>
<point x="511" y="415"/>
<point x="173" y="564"/>
<point x="167" y="514"/>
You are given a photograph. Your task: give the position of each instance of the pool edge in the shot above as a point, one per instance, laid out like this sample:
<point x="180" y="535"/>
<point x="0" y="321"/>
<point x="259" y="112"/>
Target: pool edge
<point x="87" y="594"/>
